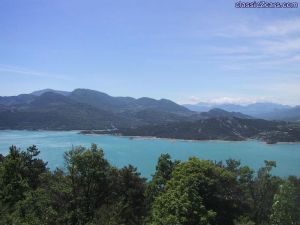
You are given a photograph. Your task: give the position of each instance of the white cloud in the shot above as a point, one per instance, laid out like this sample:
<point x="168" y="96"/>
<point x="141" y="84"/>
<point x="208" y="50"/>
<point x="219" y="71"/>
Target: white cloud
<point x="237" y="100"/>
<point x="28" y="72"/>
<point x="262" y="29"/>
<point x="260" y="54"/>
<point x="261" y="45"/>
<point x="233" y="50"/>
<point x="286" y="92"/>
<point x="189" y="100"/>
<point x="223" y="100"/>
<point x="295" y="58"/>
<point x="289" y="45"/>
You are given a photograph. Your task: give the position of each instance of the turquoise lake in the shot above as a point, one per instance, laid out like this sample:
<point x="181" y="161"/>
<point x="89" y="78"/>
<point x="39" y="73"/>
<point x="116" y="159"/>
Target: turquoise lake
<point x="143" y="153"/>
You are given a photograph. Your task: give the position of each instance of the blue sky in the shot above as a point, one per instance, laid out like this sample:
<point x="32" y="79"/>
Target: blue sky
<point x="187" y="51"/>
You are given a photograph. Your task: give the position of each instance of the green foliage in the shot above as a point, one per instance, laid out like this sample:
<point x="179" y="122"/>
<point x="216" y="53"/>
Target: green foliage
<point x="198" y="192"/>
<point x="263" y="190"/>
<point x="164" y="169"/>
<point x="128" y="205"/>
<point x="90" y="191"/>
<point x="35" y="209"/>
<point x="19" y="172"/>
<point x="243" y="221"/>
<point x="88" y="173"/>
<point x="284" y="208"/>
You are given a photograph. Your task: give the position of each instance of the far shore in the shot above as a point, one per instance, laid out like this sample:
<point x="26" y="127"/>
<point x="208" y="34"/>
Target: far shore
<point x="105" y="132"/>
<point x="178" y="139"/>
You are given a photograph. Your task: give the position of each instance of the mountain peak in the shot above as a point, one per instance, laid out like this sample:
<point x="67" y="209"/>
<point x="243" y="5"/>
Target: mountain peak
<point x="41" y="92"/>
<point x="221" y="113"/>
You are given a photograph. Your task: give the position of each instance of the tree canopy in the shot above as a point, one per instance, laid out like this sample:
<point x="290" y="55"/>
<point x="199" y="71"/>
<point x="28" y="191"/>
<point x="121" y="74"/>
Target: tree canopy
<point x="91" y="191"/>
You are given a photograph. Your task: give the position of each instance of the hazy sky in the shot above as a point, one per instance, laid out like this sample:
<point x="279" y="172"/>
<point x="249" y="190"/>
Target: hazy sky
<point x="187" y="51"/>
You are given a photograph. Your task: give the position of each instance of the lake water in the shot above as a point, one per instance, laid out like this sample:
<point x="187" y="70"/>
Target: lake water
<point x="143" y="153"/>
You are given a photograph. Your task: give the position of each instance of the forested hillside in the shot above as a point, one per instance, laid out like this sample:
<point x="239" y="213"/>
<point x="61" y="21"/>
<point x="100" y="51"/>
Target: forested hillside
<point x="85" y="109"/>
<point x="216" y="128"/>
<point x="91" y="191"/>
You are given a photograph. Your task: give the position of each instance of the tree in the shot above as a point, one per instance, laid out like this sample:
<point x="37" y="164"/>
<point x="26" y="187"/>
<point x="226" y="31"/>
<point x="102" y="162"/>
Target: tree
<point x="199" y="192"/>
<point x="243" y="221"/>
<point x="89" y="175"/>
<point x="1" y="158"/>
<point x="164" y="169"/>
<point x="264" y="188"/>
<point x="132" y="196"/>
<point x="284" y="208"/>
<point x="295" y="181"/>
<point x="127" y="206"/>
<point x="13" y="183"/>
<point x="243" y="191"/>
<point x="92" y="192"/>
<point x="20" y="172"/>
<point x="35" y="209"/>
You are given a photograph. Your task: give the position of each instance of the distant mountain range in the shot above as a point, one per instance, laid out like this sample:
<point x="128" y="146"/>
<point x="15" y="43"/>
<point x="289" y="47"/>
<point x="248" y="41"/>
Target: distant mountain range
<point x="263" y="110"/>
<point x="84" y="109"/>
<point x="89" y="109"/>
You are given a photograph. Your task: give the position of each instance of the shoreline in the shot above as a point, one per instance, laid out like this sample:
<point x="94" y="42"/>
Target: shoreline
<point x="176" y="139"/>
<point x="149" y="137"/>
<point x="190" y="140"/>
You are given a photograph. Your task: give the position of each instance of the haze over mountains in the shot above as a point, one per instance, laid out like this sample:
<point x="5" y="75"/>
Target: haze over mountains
<point x="250" y="109"/>
<point x="84" y="109"/>
<point x="263" y="110"/>
<point x="89" y="109"/>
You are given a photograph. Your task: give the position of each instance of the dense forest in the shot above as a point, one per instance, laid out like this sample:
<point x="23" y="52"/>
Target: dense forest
<point x="91" y="191"/>
<point x="216" y="128"/>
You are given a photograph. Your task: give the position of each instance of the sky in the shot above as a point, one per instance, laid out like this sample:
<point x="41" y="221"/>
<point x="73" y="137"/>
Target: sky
<point x="187" y="51"/>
